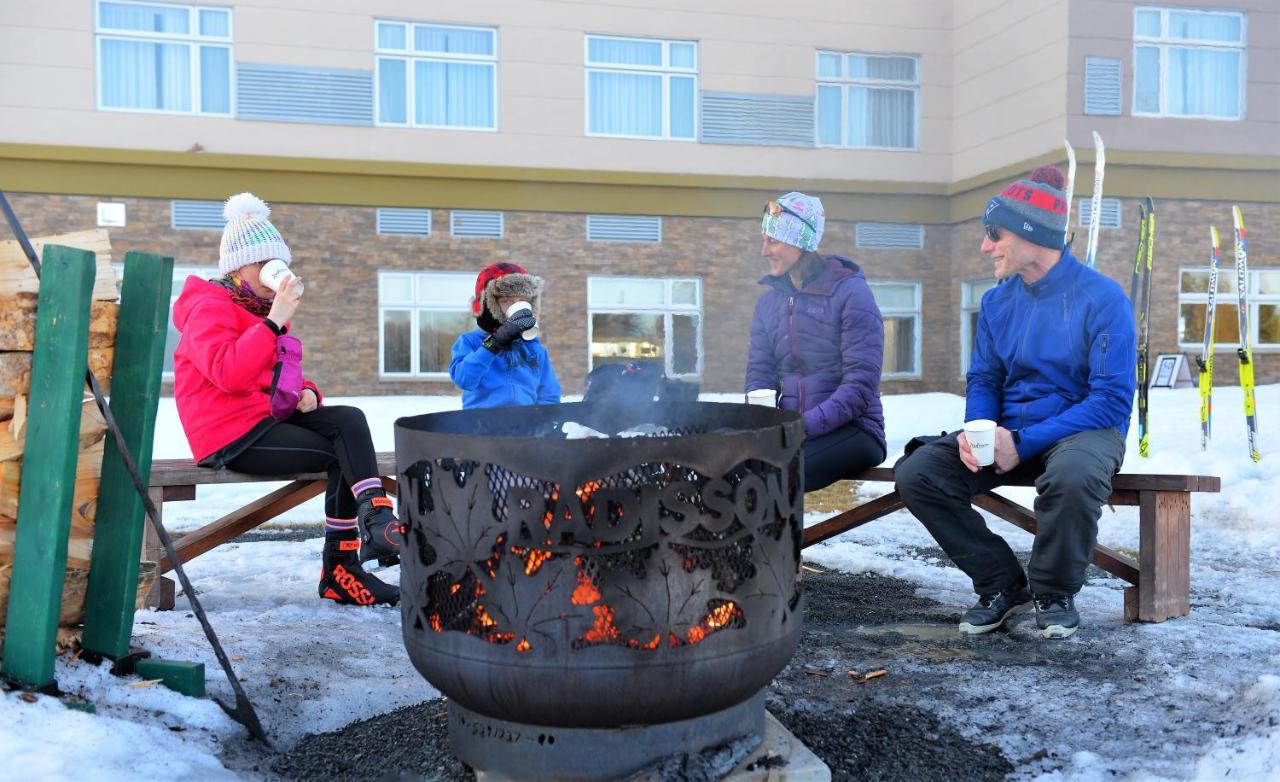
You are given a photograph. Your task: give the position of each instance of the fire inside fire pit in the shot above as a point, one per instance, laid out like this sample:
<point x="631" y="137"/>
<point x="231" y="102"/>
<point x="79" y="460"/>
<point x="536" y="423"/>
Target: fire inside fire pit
<point x="560" y="592"/>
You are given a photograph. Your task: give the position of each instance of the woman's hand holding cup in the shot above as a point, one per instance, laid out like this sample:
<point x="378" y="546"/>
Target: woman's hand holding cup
<point x="285" y="303"/>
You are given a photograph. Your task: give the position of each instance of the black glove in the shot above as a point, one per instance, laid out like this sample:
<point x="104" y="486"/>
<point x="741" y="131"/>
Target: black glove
<point x="505" y="334"/>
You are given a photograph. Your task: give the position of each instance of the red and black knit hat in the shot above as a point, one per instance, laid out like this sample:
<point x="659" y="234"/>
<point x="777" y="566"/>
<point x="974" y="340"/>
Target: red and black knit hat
<point x="1034" y="208"/>
<point x="504" y="279"/>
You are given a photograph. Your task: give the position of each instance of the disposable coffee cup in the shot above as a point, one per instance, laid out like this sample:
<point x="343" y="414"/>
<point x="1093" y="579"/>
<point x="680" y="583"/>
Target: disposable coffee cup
<point x="981" y="434"/>
<point x="766" y="397"/>
<point x="515" y="309"/>
<point x="273" y="274"/>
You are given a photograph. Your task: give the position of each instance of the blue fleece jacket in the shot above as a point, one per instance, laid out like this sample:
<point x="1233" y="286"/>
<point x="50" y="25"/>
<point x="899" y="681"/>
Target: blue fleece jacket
<point x="518" y="375"/>
<point x="1054" y="357"/>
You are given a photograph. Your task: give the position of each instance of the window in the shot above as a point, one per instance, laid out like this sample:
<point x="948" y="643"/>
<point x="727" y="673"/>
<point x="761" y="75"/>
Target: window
<point x="1188" y="63"/>
<point x="642" y="88"/>
<point x="867" y="100"/>
<point x="420" y="315"/>
<point x="970" y="303"/>
<point x="646" y="318"/>
<point x="899" y="304"/>
<point x="169" y="58"/>
<point x="436" y="76"/>
<point x="1264" y="308"/>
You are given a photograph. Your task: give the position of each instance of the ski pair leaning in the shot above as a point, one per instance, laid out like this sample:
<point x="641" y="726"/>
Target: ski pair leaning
<point x="1140" y="296"/>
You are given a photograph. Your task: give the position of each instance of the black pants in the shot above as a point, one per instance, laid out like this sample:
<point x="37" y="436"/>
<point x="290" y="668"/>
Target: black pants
<point x="1073" y="481"/>
<point x="328" y="439"/>
<point x="837" y="455"/>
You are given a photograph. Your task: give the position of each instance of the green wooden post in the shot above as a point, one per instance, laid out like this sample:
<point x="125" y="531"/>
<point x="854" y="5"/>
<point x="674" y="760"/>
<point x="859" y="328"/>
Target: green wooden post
<point x="49" y="464"/>
<point x="135" y="392"/>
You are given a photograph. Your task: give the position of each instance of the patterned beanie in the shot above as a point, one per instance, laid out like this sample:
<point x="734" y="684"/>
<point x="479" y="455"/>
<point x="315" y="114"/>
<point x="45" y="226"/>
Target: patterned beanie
<point x="248" y="236"/>
<point x="795" y="219"/>
<point x="1033" y="208"/>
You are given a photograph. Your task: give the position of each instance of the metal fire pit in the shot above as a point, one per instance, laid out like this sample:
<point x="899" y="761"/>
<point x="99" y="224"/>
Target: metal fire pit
<point x="575" y="589"/>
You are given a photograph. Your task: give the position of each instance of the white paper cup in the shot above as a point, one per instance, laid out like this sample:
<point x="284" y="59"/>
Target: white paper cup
<point x="762" y="396"/>
<point x="273" y="274"/>
<point x="515" y="309"/>
<point x="981" y="434"/>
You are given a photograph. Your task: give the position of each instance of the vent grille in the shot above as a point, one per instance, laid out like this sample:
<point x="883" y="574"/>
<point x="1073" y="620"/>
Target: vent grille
<point x="1102" y="86"/>
<point x="197" y="214"/>
<point x="617" y="228"/>
<point x="476" y="224"/>
<point x="890" y="236"/>
<point x="739" y="118"/>
<point x="281" y="93"/>
<point x="1110" y="213"/>
<point x="411" y="222"/>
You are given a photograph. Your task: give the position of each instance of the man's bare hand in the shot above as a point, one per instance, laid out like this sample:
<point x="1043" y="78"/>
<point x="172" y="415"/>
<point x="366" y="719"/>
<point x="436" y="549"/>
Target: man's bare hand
<point x="966" y="453"/>
<point x="1006" y="452"/>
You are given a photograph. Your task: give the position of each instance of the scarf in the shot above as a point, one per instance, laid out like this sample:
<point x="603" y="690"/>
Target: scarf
<point x="243" y="295"/>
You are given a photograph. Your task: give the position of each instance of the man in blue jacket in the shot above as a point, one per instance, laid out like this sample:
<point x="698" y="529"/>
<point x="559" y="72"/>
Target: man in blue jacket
<point x="1054" y="365"/>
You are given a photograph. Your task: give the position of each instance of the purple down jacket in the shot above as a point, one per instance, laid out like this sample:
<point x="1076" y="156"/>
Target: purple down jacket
<point x="821" y="347"/>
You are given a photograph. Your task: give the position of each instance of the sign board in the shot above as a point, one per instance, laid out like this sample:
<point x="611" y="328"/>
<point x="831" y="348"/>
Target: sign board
<point x="110" y="215"/>
<point x="1170" y="370"/>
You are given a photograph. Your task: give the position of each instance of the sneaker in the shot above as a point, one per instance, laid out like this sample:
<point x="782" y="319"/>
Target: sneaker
<point x="343" y="580"/>
<point x="1056" y="616"/>
<point x="991" y="611"/>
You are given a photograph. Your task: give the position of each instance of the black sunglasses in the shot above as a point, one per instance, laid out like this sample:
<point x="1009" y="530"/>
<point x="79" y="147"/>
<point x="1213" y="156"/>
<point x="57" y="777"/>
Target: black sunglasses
<point x="774" y="208"/>
<point x="993" y="232"/>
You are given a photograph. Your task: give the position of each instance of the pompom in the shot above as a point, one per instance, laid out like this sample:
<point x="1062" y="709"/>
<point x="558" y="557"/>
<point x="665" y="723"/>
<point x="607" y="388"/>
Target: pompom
<point x="1049" y="175"/>
<point x="243" y="205"/>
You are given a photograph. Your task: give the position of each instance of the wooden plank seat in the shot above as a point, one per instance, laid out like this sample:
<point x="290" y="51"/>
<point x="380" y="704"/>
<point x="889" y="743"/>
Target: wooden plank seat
<point x="175" y="480"/>
<point x="1161" y="574"/>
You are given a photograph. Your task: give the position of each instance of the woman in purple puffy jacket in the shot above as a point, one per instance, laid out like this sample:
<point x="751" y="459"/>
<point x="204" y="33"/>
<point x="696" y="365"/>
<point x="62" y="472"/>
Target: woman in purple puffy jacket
<point x="817" y="338"/>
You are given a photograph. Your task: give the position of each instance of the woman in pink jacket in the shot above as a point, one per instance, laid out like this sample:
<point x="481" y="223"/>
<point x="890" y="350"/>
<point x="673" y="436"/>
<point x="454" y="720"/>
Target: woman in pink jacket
<point x="245" y="406"/>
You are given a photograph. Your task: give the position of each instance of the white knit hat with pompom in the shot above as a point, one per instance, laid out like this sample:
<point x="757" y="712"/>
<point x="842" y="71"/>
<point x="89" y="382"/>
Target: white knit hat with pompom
<point x="249" y="236"/>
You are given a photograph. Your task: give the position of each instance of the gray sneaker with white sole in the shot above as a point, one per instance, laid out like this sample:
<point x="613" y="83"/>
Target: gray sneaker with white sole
<point x="991" y="611"/>
<point x="1056" y="615"/>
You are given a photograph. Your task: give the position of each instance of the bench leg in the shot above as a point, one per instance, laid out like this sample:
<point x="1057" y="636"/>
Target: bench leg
<point x="162" y="594"/>
<point x="1164" y="556"/>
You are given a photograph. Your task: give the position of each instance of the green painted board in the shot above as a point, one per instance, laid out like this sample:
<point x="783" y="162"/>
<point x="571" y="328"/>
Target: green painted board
<point x="178" y="675"/>
<point x="135" y="393"/>
<point x="58" y="371"/>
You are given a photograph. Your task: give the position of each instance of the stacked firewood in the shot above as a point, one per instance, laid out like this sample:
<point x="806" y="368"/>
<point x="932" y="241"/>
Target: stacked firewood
<point x="19" y="291"/>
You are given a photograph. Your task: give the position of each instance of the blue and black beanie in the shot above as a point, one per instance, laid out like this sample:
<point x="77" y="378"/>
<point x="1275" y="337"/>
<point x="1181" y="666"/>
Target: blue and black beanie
<point x="1033" y="208"/>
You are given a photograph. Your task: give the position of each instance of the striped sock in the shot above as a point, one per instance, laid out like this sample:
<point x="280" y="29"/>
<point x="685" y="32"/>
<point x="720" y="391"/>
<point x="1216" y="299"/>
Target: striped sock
<point x="338" y="525"/>
<point x="360" y="487"/>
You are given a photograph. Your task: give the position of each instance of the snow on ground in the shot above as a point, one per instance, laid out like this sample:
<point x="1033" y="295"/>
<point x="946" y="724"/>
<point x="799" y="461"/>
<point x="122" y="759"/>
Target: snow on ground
<point x="311" y="666"/>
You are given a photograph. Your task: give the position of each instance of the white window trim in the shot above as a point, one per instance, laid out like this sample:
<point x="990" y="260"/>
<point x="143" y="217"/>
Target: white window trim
<point x="667" y="310"/>
<point x="966" y="339"/>
<point x="193" y="41"/>
<point x="1163" y="43"/>
<point x="409" y="55"/>
<point x="917" y="314"/>
<point x="664" y="71"/>
<point x="845" y="83"/>
<point x="1256" y="301"/>
<point x="414" y="337"/>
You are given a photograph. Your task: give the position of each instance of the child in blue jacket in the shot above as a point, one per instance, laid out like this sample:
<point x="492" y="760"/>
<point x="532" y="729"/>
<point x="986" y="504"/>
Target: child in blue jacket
<point x="502" y="362"/>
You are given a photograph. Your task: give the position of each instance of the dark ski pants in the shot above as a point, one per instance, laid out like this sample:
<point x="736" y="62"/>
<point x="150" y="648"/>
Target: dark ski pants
<point x="838" y="455"/>
<point x="328" y="439"/>
<point x="1072" y="480"/>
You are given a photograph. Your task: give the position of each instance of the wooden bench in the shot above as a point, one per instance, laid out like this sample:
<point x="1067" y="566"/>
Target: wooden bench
<point x="175" y="480"/>
<point x="1161" y="575"/>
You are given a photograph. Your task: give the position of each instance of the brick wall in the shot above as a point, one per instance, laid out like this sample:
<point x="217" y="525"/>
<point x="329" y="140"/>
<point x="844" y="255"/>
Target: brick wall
<point x="339" y="253"/>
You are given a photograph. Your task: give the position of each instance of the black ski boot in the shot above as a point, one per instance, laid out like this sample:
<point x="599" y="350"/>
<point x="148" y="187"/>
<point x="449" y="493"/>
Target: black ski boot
<point x="381" y="533"/>
<point x="342" y="579"/>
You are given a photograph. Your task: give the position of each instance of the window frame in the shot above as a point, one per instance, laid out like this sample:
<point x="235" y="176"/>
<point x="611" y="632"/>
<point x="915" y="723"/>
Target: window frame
<point x="667" y="309"/>
<point x="845" y="82"/>
<point x="414" y="308"/>
<point x="409" y="55"/>
<point x="918" y="314"/>
<point x="664" y="72"/>
<point x="968" y="308"/>
<point x="1163" y="43"/>
<point x="192" y="40"/>
<point x="1255" y="298"/>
